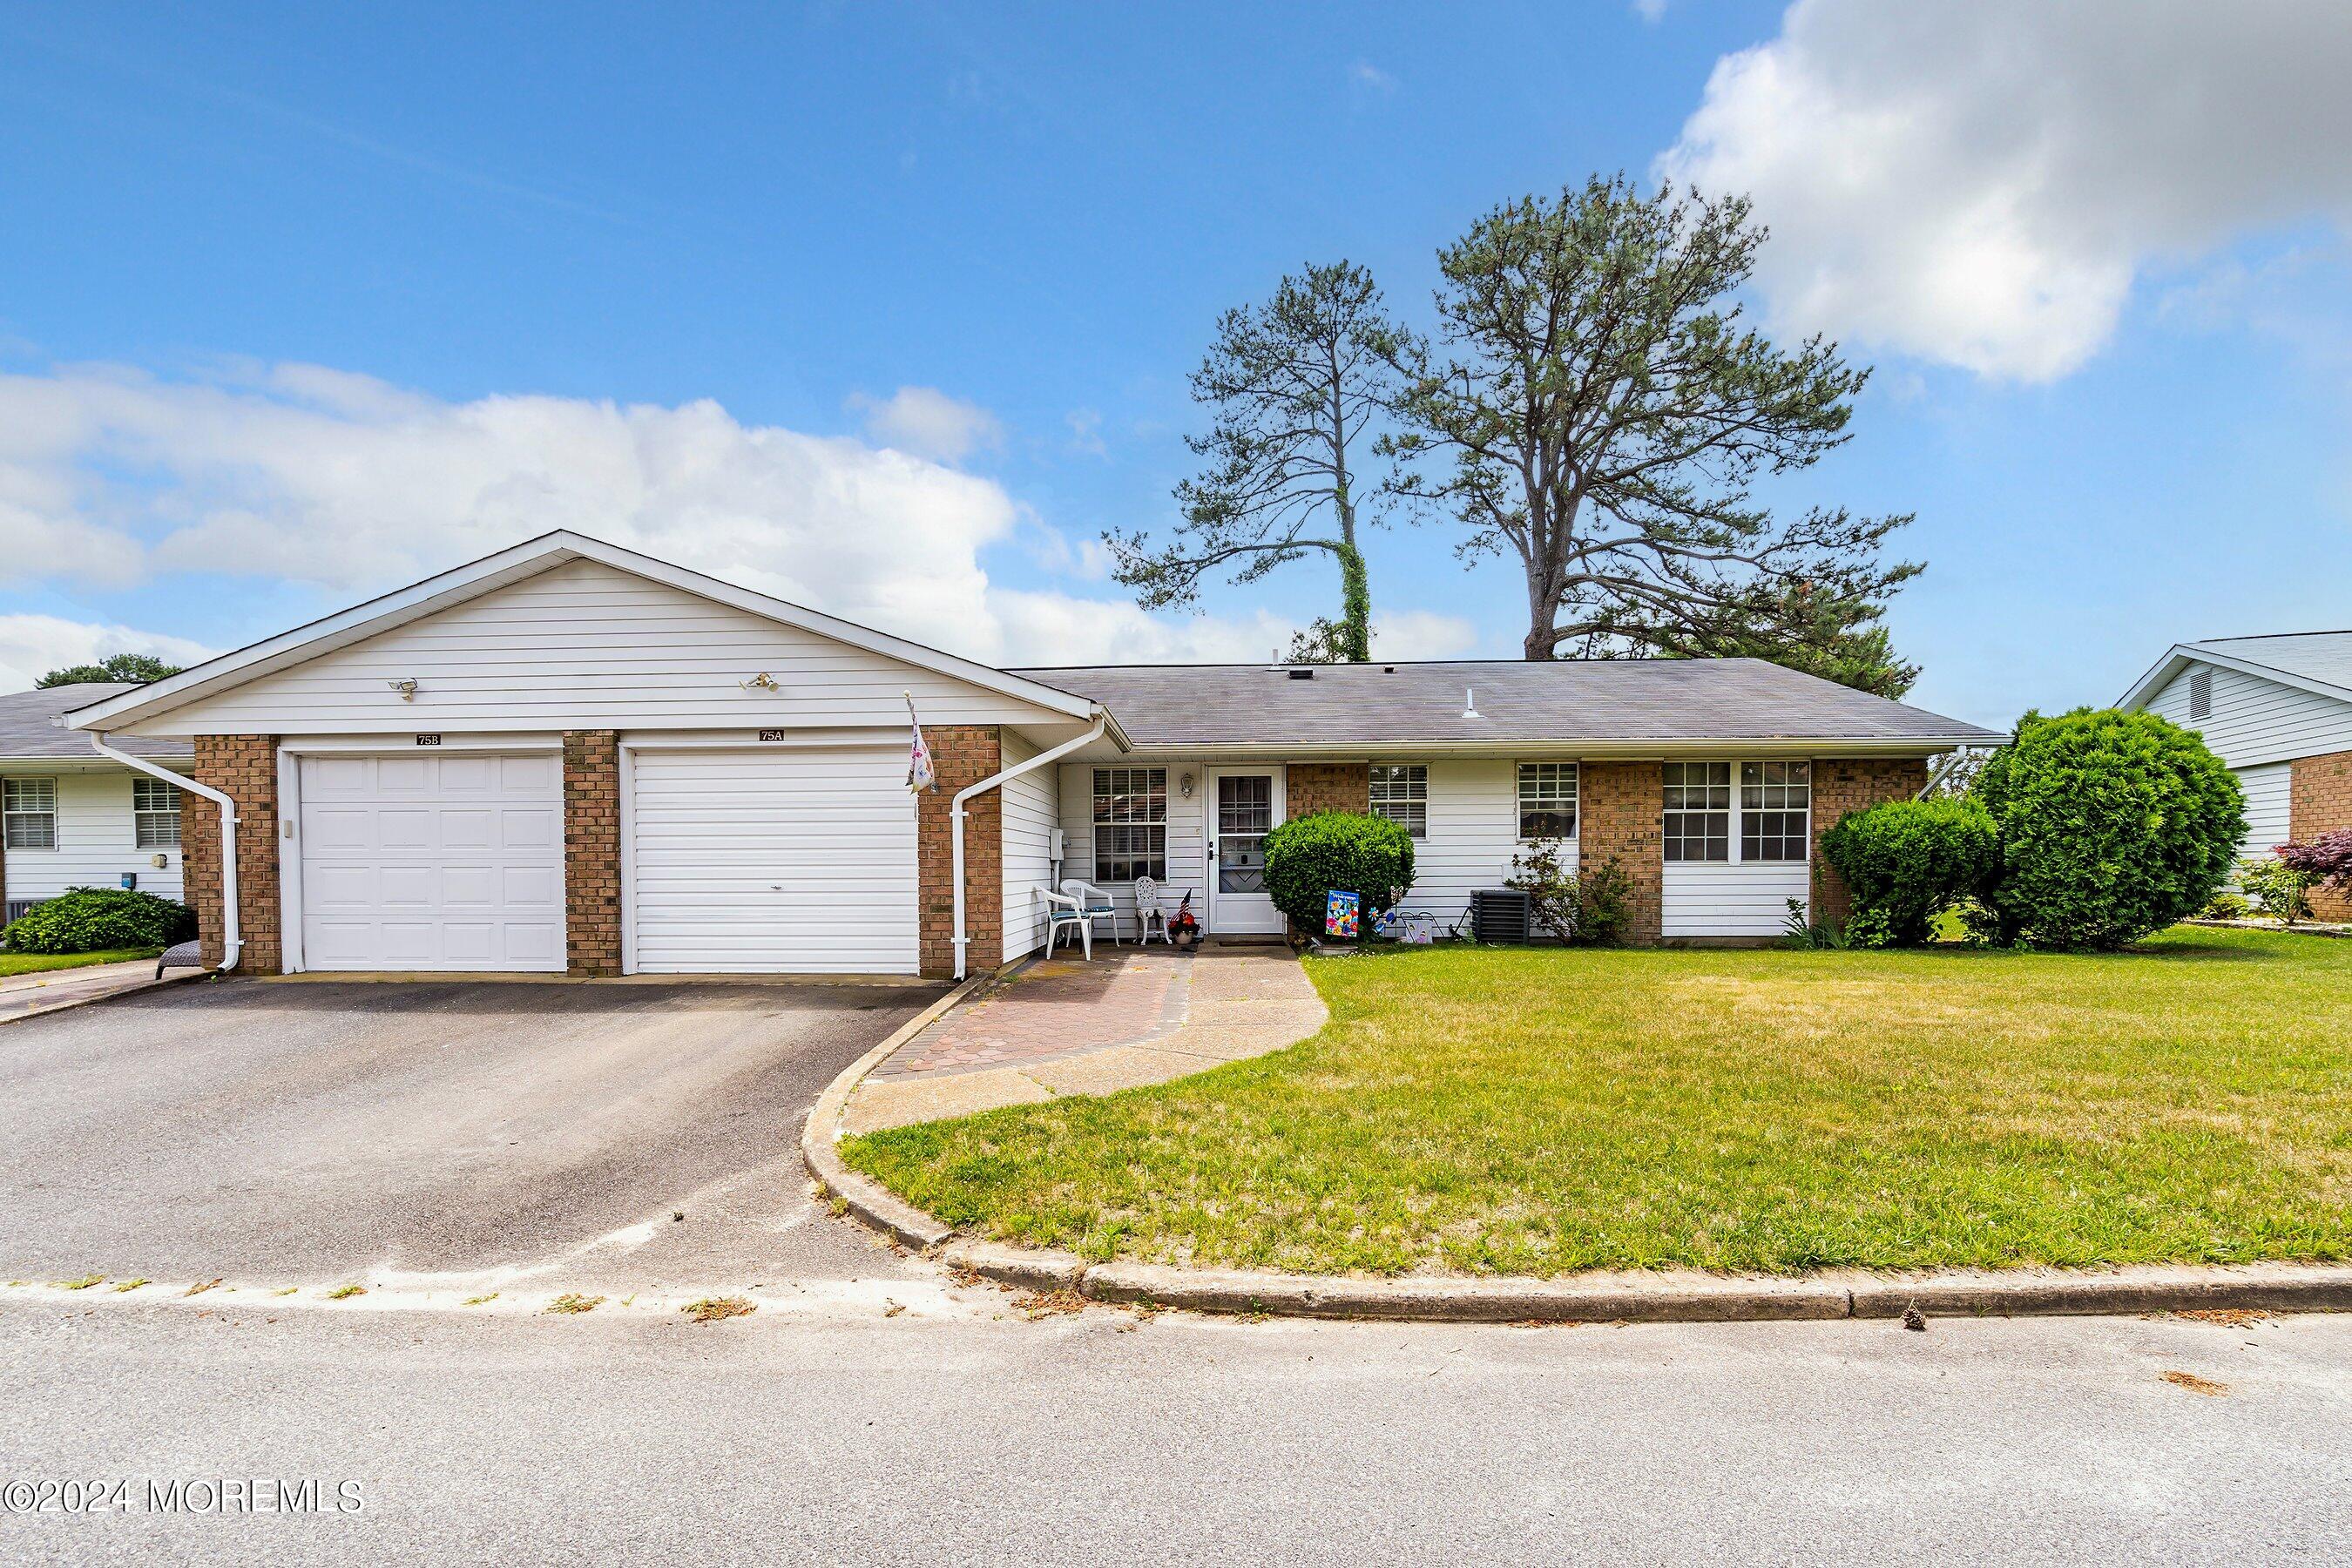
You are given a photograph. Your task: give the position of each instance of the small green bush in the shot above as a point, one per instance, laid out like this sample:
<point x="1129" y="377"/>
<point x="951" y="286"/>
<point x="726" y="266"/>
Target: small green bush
<point x="2225" y="905"/>
<point x="1907" y="861"/>
<point x="2112" y="825"/>
<point x="95" y="920"/>
<point x="1591" y="910"/>
<point x="2283" y="892"/>
<point x="1309" y="858"/>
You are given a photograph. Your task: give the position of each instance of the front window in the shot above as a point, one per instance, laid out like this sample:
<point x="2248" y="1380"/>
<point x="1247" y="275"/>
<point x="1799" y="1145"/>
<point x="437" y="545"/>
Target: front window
<point x="1401" y="794"/>
<point x="1546" y="800"/>
<point x="28" y="812"/>
<point x="1776" y="802"/>
<point x="1130" y="824"/>
<point x="155" y="812"/>
<point x="1698" y="811"/>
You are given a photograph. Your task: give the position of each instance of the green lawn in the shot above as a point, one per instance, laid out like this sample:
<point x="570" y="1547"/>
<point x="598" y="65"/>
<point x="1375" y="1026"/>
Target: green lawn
<point x="1542" y="1111"/>
<point x="33" y="963"/>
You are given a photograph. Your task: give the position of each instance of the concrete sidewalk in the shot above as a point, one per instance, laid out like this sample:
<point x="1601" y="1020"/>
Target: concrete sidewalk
<point x="46" y="991"/>
<point x="1059" y="1027"/>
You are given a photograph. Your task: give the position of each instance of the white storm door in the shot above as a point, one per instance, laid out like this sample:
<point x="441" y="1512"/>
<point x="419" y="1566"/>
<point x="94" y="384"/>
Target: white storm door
<point x="794" y="860"/>
<point x="450" y="860"/>
<point x="1245" y="805"/>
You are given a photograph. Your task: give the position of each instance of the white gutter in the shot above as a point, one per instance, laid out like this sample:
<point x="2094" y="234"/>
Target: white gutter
<point x="231" y="941"/>
<point x="956" y="817"/>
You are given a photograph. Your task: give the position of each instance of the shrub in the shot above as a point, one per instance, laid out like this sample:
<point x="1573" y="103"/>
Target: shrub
<point x="1907" y="861"/>
<point x="2281" y="891"/>
<point x="1309" y="858"/>
<point x="1604" y="904"/>
<point x="1587" y="911"/>
<point x="2112" y="825"/>
<point x="2225" y="905"/>
<point x="94" y="919"/>
<point x="2325" y="859"/>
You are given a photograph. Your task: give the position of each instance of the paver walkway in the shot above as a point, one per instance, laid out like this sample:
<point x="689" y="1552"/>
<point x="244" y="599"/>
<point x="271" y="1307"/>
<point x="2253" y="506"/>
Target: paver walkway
<point x="1061" y="1026"/>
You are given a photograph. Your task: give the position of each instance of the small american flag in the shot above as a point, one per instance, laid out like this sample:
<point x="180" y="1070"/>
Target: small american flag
<point x="920" y="775"/>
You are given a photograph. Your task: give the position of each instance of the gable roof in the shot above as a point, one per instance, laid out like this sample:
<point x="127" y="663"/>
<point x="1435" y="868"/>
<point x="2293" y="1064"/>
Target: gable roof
<point x="2318" y="662"/>
<point x="1605" y="701"/>
<point x="27" y="732"/>
<point x="512" y="565"/>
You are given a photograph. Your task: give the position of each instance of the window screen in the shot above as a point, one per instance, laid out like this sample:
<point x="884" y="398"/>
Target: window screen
<point x="1401" y="794"/>
<point x="1546" y="800"/>
<point x="1130" y="824"/>
<point x="1698" y="811"/>
<point x="28" y="814"/>
<point x="155" y="814"/>
<point x="1775" y="810"/>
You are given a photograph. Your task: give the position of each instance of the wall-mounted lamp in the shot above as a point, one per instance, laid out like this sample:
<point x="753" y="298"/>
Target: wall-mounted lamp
<point x="763" y="682"/>
<point x="408" y="688"/>
<point x="1184" y="785"/>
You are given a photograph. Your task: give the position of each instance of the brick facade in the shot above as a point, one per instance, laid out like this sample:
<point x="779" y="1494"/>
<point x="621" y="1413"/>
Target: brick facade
<point x="1842" y="784"/>
<point x="962" y="754"/>
<point x="244" y="768"/>
<point x="1326" y="787"/>
<point x="592" y="851"/>
<point x="2320" y="800"/>
<point x="1620" y="811"/>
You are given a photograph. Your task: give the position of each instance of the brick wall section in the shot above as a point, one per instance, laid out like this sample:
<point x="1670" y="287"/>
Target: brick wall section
<point x="244" y="768"/>
<point x="2320" y="800"/>
<point x="1842" y="784"/>
<point x="1326" y="787"/>
<point x="962" y="754"/>
<point x="1621" y="808"/>
<point x="592" y="851"/>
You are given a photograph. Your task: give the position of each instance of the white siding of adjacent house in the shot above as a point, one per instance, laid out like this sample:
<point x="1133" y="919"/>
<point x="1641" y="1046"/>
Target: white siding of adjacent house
<point x="2256" y="721"/>
<point x="1473" y="834"/>
<point x="588" y="646"/>
<point x="2269" y="796"/>
<point x="1031" y="812"/>
<point x="96" y="842"/>
<point x="1708" y="899"/>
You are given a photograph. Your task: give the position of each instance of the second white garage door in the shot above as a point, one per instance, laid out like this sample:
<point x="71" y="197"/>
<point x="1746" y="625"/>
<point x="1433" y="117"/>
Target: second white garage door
<point x="795" y="860"/>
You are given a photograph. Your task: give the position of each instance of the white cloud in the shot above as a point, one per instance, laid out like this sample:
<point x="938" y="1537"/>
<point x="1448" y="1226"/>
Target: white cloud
<point x="1086" y="432"/>
<point x="1650" y="11"/>
<point x="32" y="645"/>
<point x="928" y="422"/>
<point x="1981" y="183"/>
<point x="338" y="481"/>
<point x="1422" y="634"/>
<point x="1363" y="73"/>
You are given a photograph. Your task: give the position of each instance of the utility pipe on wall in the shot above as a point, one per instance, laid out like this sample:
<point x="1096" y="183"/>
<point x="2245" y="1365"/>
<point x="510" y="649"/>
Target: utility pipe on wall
<point x="231" y="941"/>
<point x="956" y="817"/>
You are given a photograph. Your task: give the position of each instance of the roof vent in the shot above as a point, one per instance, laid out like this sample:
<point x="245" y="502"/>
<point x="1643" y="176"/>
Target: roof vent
<point x="1470" y="704"/>
<point x="1305" y="672"/>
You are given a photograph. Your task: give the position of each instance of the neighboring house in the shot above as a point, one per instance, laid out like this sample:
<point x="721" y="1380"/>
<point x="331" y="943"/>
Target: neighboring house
<point x="2278" y="710"/>
<point x="569" y="756"/>
<point x="69" y="817"/>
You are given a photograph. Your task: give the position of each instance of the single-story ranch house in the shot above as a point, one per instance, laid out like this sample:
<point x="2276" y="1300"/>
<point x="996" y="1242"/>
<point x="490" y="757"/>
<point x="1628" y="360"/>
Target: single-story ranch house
<point x="71" y="818"/>
<point x="571" y="757"/>
<point x="2278" y="710"/>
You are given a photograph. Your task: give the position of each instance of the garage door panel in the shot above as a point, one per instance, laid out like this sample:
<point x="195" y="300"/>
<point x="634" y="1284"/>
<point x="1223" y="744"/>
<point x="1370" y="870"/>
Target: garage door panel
<point x="798" y="861"/>
<point x="435" y="862"/>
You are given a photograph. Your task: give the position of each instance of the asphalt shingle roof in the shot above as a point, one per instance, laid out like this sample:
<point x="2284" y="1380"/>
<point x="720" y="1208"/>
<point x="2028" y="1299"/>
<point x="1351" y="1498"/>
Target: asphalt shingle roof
<point x="1615" y="701"/>
<point x="2325" y="656"/>
<point x="25" y="730"/>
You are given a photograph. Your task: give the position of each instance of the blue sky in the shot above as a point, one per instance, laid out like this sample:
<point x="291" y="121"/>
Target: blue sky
<point x="889" y="308"/>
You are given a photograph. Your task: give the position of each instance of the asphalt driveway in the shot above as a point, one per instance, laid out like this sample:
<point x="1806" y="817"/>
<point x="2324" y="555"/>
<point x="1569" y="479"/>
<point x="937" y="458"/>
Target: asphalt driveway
<point x="313" y="1130"/>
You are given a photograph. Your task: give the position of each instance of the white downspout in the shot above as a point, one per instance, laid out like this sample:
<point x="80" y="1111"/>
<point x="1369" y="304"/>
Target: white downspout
<point x="231" y="942"/>
<point x="956" y="815"/>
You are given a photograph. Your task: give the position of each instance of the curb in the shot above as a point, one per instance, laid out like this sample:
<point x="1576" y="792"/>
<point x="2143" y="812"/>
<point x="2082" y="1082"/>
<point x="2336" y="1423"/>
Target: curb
<point x="1675" y="1296"/>
<point x="188" y="978"/>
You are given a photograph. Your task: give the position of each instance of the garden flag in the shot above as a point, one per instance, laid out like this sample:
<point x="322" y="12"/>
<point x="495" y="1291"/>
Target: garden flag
<point x="1341" y="914"/>
<point x="920" y="774"/>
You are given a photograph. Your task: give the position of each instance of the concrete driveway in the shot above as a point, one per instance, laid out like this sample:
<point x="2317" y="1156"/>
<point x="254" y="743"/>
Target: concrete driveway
<point x="311" y="1131"/>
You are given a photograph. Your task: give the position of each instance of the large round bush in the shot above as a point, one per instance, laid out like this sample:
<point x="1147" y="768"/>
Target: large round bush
<point x="98" y="920"/>
<point x="1907" y="861"/>
<point x="2112" y="825"/>
<point x="1309" y="858"/>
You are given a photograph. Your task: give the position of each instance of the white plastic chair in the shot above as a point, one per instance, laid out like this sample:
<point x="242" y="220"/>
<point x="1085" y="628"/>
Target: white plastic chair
<point x="1148" y="912"/>
<point x="1093" y="903"/>
<point x="1065" y="913"/>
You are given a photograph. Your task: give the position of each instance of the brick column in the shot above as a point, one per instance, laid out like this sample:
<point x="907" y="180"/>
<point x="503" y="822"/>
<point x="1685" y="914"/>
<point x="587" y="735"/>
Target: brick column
<point x="1621" y="814"/>
<point x="2320" y="800"/>
<point x="244" y="768"/>
<point x="962" y="754"/>
<point x="592" y="851"/>
<point x="1326" y="787"/>
<point x="1843" y="784"/>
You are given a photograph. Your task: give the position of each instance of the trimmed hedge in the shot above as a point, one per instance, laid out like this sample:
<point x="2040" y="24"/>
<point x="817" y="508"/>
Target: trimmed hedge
<point x="2112" y="825"/>
<point x="1308" y="858"/>
<point x="1907" y="861"/>
<point x="97" y="919"/>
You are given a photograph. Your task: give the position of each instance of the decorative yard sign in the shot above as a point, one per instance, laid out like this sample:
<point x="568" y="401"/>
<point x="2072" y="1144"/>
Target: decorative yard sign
<point x="1339" y="915"/>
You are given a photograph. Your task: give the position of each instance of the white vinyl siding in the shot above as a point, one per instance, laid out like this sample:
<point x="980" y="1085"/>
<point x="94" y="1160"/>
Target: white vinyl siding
<point x="1029" y="816"/>
<point x="1738" y="898"/>
<point x="794" y="860"/>
<point x="2255" y="720"/>
<point x="1187" y="845"/>
<point x="587" y="647"/>
<point x="1473" y="833"/>
<point x="96" y="843"/>
<point x="2269" y="797"/>
<point x="440" y="861"/>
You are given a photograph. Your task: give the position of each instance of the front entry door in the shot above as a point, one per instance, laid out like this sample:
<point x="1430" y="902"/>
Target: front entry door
<point x="1244" y="805"/>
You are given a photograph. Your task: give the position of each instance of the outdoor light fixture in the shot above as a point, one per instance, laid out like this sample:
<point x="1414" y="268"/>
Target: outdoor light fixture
<point x="1184" y="785"/>
<point x="763" y="682"/>
<point x="408" y="688"/>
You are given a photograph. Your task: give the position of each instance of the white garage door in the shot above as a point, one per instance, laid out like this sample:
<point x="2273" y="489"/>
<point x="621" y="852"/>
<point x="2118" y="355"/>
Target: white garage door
<point x="790" y="861"/>
<point x="448" y="860"/>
